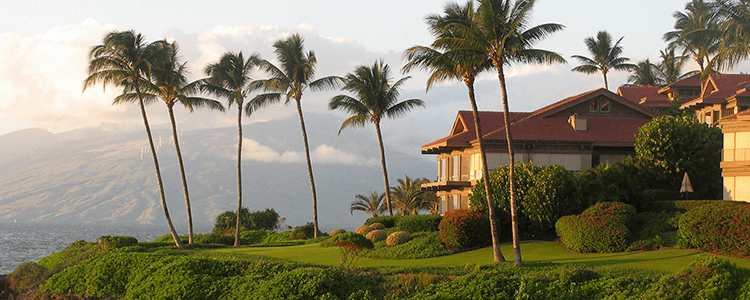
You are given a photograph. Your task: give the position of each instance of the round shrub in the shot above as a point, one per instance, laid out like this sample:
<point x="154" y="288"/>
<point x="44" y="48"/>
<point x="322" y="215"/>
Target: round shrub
<point x="377" y="226"/>
<point x="418" y="223"/>
<point x="363" y="230"/>
<point x="603" y="227"/>
<point x="722" y="227"/>
<point x="377" y="235"/>
<point x="398" y="238"/>
<point x="337" y="231"/>
<point x="465" y="229"/>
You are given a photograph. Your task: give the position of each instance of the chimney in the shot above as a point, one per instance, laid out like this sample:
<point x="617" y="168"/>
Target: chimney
<point x="578" y="123"/>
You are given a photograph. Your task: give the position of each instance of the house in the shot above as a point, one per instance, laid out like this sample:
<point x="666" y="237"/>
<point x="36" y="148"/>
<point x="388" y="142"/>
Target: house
<point x="735" y="162"/>
<point x="578" y="132"/>
<point x="720" y="95"/>
<point x="647" y="96"/>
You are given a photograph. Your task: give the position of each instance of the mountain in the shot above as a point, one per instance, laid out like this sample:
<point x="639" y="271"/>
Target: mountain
<point x="111" y="179"/>
<point x="15" y="144"/>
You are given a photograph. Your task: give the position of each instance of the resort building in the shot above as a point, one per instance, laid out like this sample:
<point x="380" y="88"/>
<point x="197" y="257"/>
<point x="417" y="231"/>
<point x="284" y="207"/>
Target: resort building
<point x="735" y="162"/>
<point x="648" y="97"/>
<point x="578" y="133"/>
<point x="720" y="95"/>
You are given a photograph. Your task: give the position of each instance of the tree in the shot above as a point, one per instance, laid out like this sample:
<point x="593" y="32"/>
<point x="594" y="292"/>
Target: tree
<point x="289" y="81"/>
<point x="645" y="73"/>
<point x="605" y="56"/>
<point x="697" y="34"/>
<point x="372" y="205"/>
<point x="229" y="78"/>
<point x="375" y="97"/>
<point x="409" y="198"/>
<point x="125" y="60"/>
<point x="736" y="32"/>
<point x="667" y="147"/>
<point x="170" y="84"/>
<point x="267" y="219"/>
<point x="454" y="63"/>
<point x="501" y="32"/>
<point x="670" y="68"/>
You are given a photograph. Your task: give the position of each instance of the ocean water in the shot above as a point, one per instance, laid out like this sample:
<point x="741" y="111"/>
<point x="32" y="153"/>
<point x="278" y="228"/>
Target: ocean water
<point x="22" y="242"/>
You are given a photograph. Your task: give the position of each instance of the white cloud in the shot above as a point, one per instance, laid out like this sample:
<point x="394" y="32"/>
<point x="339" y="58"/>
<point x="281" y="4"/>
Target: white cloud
<point x="329" y="155"/>
<point x="252" y="150"/>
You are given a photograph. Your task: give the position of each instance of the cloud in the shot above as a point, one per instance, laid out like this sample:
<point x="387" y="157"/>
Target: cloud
<point x="329" y="155"/>
<point x="323" y="154"/>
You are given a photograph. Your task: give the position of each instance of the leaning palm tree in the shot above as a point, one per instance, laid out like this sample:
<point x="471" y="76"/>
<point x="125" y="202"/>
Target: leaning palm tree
<point x="644" y="73"/>
<point x="375" y="97"/>
<point x="170" y="84"/>
<point x="372" y="205"/>
<point x="295" y="73"/>
<point x="501" y="32"/>
<point x="229" y="78"/>
<point x="458" y="65"/>
<point x="125" y="60"/>
<point x="698" y="34"/>
<point x="605" y="56"/>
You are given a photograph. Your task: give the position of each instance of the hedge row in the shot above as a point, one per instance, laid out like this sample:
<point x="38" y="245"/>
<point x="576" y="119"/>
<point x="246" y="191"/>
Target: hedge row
<point x="680" y="206"/>
<point x="408" y="223"/>
<point x="604" y="227"/>
<point x="722" y="227"/>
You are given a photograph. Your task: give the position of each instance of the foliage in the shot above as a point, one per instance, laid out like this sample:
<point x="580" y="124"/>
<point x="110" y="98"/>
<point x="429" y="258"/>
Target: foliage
<point x="409" y="198"/>
<point x="680" y="206"/>
<point x="464" y="229"/>
<point x="722" y="227"/>
<point x="604" y="56"/>
<point x="421" y="245"/>
<point x="387" y="221"/>
<point x="418" y="223"/>
<point x="544" y="194"/>
<point x="604" y="227"/>
<point x="363" y="230"/>
<point x="250" y="237"/>
<point x="668" y="147"/>
<point x="27" y="276"/>
<point x="337" y="231"/>
<point x="267" y="219"/>
<point x="110" y="242"/>
<point x="372" y="205"/>
<point x="74" y="253"/>
<point x="377" y="226"/>
<point x="305" y="232"/>
<point x="397" y="238"/>
<point x="617" y="182"/>
<point x="377" y="235"/>
<point x="706" y="278"/>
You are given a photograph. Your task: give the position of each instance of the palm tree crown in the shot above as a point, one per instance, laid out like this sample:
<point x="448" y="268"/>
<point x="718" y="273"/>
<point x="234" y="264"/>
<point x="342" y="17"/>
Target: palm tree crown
<point x="605" y="56"/>
<point x="697" y="33"/>
<point x="645" y="73"/>
<point x="372" y="205"/>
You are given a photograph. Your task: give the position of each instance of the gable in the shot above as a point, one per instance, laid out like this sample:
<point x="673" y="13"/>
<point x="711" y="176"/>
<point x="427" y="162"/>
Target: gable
<point x="599" y="103"/>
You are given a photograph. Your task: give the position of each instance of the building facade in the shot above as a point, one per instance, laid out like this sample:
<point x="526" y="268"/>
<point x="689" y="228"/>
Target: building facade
<point x="735" y="162"/>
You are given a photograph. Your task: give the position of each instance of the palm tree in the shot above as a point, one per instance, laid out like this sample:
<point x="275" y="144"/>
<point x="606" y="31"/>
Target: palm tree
<point x="605" y="56"/>
<point x="736" y="29"/>
<point x="409" y="198"/>
<point x="501" y="32"/>
<point x="229" y="78"/>
<point x="670" y="68"/>
<point x="697" y="33"/>
<point x="461" y="65"/>
<point x="372" y="205"/>
<point x="375" y="97"/>
<point x="289" y="81"/>
<point x="645" y="73"/>
<point x="170" y="84"/>
<point x="125" y="60"/>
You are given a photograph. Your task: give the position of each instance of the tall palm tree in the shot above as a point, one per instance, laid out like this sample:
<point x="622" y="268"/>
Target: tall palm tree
<point x="697" y="33"/>
<point x="736" y="29"/>
<point x="645" y="73"/>
<point x="372" y="205"/>
<point x="170" y="84"/>
<point x="229" y="78"/>
<point x="461" y="65"/>
<point x="295" y="73"/>
<point x="605" y="56"/>
<point x="124" y="59"/>
<point x="501" y="32"/>
<point x="670" y="68"/>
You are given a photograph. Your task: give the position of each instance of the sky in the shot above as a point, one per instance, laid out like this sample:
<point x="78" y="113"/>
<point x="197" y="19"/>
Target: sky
<point x="44" y="46"/>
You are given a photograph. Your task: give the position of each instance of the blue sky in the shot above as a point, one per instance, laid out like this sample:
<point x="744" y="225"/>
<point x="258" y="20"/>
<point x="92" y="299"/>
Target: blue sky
<point x="43" y="47"/>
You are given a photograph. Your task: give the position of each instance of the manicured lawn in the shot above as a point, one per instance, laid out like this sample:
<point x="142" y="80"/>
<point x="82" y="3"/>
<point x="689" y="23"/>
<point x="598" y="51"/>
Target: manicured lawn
<point x="665" y="260"/>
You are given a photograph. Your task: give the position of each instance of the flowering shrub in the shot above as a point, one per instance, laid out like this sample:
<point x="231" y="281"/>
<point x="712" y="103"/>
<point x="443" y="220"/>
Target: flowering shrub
<point x="604" y="227"/>
<point x="722" y="227"/>
<point x="376" y="236"/>
<point x="337" y="231"/>
<point x="377" y="226"/>
<point x="465" y="229"/>
<point x="363" y="230"/>
<point x="398" y="238"/>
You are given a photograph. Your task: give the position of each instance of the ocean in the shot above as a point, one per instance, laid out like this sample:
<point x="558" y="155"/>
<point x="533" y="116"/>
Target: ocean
<point x="22" y="242"/>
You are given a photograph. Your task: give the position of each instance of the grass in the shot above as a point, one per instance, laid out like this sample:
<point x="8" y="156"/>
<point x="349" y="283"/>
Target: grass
<point x="532" y="252"/>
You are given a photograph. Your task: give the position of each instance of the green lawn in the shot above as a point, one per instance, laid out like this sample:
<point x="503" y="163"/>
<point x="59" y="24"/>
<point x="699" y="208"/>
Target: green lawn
<point x="664" y="260"/>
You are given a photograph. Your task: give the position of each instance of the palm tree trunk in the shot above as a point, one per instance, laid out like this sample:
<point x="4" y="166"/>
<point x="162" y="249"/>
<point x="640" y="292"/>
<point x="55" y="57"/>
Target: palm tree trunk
<point x="309" y="169"/>
<point x="385" y="170"/>
<point x="511" y="167"/>
<point x="237" y="242"/>
<point x="496" y="254"/>
<point x="182" y="175"/>
<point x="175" y="236"/>
<point x="606" y="85"/>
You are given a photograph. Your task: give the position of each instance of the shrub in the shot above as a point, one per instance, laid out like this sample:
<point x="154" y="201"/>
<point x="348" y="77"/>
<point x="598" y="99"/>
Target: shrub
<point x="398" y="238"/>
<point x="267" y="219"/>
<point x="27" y="276"/>
<point x="465" y="229"/>
<point x="680" y="206"/>
<point x="76" y="252"/>
<point x="706" y="277"/>
<point x="305" y="232"/>
<point x="277" y="238"/>
<point x="250" y="237"/>
<point x="722" y="227"/>
<point x="421" y="245"/>
<point x="337" y="231"/>
<point x="109" y="242"/>
<point x="214" y="238"/>
<point x="377" y="226"/>
<point x="387" y="221"/>
<point x="612" y="182"/>
<point x="363" y="230"/>
<point x="377" y="236"/>
<point x="603" y="227"/>
<point x="418" y="223"/>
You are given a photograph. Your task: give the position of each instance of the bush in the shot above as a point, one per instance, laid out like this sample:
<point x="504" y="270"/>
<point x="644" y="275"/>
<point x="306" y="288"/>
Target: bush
<point x="604" y="227"/>
<point x="398" y="238"/>
<point x="363" y="230"/>
<point x="377" y="236"/>
<point x="250" y="237"/>
<point x="337" y="231"/>
<point x="722" y="227"/>
<point x="421" y="245"/>
<point x="305" y="232"/>
<point x="377" y="226"/>
<point x="705" y="278"/>
<point x="418" y="223"/>
<point x="75" y="253"/>
<point x="612" y="182"/>
<point x="27" y="276"/>
<point x="465" y="229"/>
<point x="387" y="221"/>
<point x="354" y="238"/>
<point x="267" y="219"/>
<point x="681" y="206"/>
<point x="110" y="242"/>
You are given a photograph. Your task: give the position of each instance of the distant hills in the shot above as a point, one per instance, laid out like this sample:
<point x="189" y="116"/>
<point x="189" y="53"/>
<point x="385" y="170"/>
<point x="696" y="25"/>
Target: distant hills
<point x="88" y="176"/>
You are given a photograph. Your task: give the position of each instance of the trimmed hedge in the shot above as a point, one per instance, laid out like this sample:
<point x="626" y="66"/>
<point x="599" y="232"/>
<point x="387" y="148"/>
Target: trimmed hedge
<point x="388" y="221"/>
<point x="363" y="230"/>
<point x="465" y="229"/>
<point x="604" y="227"/>
<point x="398" y="238"/>
<point x="418" y="223"/>
<point x="377" y="236"/>
<point x="722" y="227"/>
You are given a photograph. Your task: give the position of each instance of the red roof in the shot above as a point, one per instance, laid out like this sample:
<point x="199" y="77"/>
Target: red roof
<point x="604" y="130"/>
<point x="692" y="81"/>
<point x="719" y="87"/>
<point x="463" y="132"/>
<point x="644" y="95"/>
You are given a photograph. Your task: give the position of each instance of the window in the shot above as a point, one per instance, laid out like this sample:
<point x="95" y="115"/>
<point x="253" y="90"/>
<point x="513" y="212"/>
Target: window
<point x="456" y="202"/>
<point x="456" y="168"/>
<point x="442" y="169"/>
<point x="603" y="105"/>
<point x="599" y="105"/>
<point x="443" y="204"/>
<point x="594" y="105"/>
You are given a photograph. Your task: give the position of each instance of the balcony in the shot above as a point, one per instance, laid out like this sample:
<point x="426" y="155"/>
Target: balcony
<point x="446" y="185"/>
